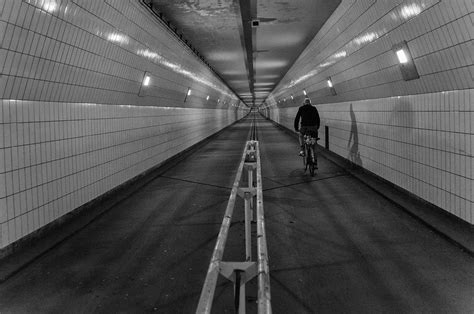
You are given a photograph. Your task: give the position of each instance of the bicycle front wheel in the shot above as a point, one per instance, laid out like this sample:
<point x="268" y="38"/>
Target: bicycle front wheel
<point x="305" y="164"/>
<point x="308" y="161"/>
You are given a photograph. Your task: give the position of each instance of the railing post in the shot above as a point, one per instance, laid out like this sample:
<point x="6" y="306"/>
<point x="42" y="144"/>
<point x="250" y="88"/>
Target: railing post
<point x="247" y="194"/>
<point x="250" y="161"/>
<point x="248" y="236"/>
<point x="239" y="292"/>
<point x="250" y="177"/>
<point x="241" y="272"/>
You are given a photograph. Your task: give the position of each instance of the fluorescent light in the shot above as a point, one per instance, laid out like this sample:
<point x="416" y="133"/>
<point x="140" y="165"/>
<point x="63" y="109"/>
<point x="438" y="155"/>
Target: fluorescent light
<point x="304" y="92"/>
<point x="330" y="83"/>
<point x="146" y="81"/>
<point x="402" y="56"/>
<point x="189" y="92"/>
<point x="207" y="98"/>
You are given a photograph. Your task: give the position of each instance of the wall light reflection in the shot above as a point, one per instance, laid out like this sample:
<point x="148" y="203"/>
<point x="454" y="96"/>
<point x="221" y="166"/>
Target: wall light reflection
<point x="157" y="58"/>
<point x="45" y="5"/>
<point x="117" y="38"/>
<point x="340" y="54"/>
<point x="410" y="10"/>
<point x="366" y="38"/>
<point x="49" y="6"/>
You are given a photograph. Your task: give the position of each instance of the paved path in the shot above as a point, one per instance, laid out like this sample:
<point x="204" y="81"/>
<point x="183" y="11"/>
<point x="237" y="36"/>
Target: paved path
<point x="335" y="245"/>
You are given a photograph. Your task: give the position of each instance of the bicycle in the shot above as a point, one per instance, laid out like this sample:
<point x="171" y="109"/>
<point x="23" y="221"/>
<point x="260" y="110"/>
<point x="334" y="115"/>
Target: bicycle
<point x="310" y="160"/>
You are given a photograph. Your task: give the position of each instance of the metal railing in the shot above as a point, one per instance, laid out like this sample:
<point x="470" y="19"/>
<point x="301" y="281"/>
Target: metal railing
<point x="244" y="271"/>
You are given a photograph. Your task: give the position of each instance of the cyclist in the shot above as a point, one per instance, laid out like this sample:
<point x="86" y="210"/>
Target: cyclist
<point x="309" y="122"/>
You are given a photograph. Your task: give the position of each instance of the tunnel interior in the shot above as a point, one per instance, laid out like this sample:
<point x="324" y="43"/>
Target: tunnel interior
<point x="97" y="95"/>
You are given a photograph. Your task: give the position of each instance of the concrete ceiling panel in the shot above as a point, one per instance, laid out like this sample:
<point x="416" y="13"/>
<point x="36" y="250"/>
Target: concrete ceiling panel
<point x="248" y="58"/>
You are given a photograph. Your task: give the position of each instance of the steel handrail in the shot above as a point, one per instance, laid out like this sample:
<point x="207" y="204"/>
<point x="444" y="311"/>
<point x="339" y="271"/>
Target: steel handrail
<point x="207" y="293"/>
<point x="264" y="295"/>
<point x="262" y="271"/>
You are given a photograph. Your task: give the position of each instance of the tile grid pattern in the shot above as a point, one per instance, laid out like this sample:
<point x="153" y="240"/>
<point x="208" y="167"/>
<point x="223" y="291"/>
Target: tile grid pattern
<point x="416" y="134"/>
<point x="74" y="122"/>
<point x="356" y="52"/>
<point x="78" y="56"/>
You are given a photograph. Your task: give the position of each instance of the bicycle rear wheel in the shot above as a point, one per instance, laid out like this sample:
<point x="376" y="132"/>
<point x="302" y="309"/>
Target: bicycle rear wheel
<point x="310" y="164"/>
<point x="309" y="161"/>
<point x="311" y="169"/>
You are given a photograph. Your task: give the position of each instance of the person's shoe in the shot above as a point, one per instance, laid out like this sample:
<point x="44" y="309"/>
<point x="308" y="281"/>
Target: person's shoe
<point x="301" y="153"/>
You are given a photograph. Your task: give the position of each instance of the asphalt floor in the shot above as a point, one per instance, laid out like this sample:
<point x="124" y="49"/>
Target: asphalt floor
<point x="335" y="245"/>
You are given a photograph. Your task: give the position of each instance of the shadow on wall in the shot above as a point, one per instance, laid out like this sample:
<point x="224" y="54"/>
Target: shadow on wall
<point x="354" y="154"/>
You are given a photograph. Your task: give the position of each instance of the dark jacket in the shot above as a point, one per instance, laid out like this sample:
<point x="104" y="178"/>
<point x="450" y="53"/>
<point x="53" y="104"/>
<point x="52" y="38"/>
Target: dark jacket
<point x="309" y="116"/>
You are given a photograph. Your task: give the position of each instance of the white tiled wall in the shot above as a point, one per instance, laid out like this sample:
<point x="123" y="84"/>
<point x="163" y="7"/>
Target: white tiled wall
<point x="75" y="121"/>
<point x="417" y="134"/>
<point x="354" y="48"/>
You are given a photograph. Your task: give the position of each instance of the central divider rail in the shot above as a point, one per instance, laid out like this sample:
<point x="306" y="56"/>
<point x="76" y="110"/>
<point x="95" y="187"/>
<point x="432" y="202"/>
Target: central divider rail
<point x="243" y="271"/>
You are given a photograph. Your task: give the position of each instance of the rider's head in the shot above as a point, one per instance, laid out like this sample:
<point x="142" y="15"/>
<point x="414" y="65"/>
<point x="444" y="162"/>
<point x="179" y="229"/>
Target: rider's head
<point x="307" y="101"/>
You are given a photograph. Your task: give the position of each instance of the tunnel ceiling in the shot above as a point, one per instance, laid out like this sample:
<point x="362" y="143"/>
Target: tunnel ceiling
<point x="250" y="59"/>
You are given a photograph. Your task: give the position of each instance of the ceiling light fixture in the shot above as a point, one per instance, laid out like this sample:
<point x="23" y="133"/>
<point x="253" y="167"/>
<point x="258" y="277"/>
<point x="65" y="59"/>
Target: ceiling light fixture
<point x="406" y="62"/>
<point x="188" y="93"/>
<point x="402" y="56"/>
<point x="146" y="80"/>
<point x="331" y="86"/>
<point x="330" y="82"/>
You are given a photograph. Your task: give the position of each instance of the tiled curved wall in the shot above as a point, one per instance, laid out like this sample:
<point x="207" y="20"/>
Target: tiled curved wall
<point x="75" y="120"/>
<point x="417" y="134"/>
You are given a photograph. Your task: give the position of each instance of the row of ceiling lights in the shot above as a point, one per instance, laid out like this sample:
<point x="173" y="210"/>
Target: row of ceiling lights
<point x="149" y="4"/>
<point x="147" y="82"/>
<point x="406" y="64"/>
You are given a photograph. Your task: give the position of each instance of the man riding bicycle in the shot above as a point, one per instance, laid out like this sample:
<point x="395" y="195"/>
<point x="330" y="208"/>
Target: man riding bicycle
<point x="309" y="122"/>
